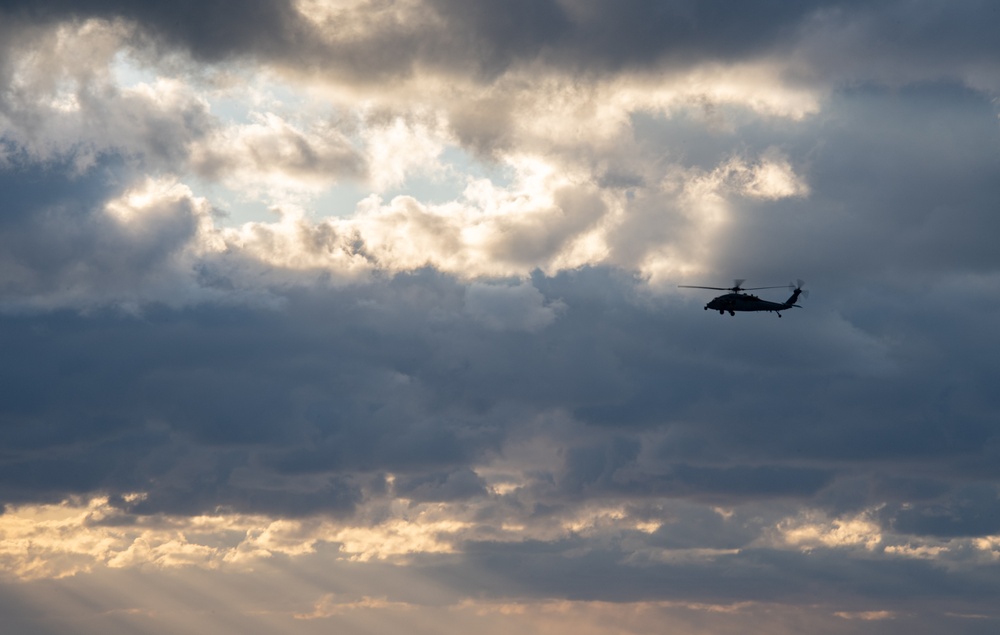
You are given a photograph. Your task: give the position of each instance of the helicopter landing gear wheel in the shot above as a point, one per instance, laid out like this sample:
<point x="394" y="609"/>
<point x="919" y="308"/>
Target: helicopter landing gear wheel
<point x="732" y="313"/>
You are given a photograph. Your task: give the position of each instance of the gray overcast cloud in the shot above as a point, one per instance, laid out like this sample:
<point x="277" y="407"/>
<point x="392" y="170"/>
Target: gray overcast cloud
<point x="355" y="314"/>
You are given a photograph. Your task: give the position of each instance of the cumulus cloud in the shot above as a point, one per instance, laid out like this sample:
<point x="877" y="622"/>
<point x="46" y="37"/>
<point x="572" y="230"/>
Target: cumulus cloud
<point x="271" y="154"/>
<point x="136" y="249"/>
<point x="502" y="307"/>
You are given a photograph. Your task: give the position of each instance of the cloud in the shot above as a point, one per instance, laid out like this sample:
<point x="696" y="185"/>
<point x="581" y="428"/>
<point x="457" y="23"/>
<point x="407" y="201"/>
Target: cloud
<point x="64" y="102"/>
<point x="63" y="248"/>
<point x="459" y="484"/>
<point x="502" y="307"/>
<point x="973" y="510"/>
<point x="272" y="154"/>
<point x="371" y="42"/>
<point x="214" y="30"/>
<point x="216" y="395"/>
<point x="384" y="295"/>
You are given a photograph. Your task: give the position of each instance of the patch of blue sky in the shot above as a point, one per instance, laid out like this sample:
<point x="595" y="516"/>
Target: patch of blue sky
<point x="233" y="95"/>
<point x="459" y="168"/>
<point x="128" y="73"/>
<point x="232" y="208"/>
<point x="249" y="94"/>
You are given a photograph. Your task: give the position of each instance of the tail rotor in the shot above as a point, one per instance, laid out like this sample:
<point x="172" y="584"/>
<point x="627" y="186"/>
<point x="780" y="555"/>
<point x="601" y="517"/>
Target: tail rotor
<point x="797" y="291"/>
<point x="797" y="286"/>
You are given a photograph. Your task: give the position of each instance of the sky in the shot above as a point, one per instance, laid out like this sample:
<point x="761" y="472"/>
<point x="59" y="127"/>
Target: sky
<point x="363" y="316"/>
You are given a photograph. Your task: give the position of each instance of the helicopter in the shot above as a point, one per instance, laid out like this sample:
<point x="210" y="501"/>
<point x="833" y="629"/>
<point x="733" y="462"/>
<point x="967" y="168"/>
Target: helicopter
<point x="736" y="300"/>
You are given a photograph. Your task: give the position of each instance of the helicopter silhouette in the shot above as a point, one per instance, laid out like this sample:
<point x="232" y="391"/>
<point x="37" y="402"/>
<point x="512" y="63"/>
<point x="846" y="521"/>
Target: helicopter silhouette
<point x="736" y="300"/>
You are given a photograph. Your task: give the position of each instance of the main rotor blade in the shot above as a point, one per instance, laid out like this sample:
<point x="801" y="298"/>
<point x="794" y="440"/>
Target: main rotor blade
<point x="780" y="286"/>
<point x="691" y="286"/>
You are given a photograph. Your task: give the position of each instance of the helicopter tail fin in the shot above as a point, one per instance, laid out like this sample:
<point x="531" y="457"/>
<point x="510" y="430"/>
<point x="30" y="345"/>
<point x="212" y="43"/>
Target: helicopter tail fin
<point x="796" y="292"/>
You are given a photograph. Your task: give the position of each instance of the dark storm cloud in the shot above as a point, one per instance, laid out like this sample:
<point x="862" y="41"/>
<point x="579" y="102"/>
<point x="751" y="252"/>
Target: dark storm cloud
<point x="897" y="41"/>
<point x="611" y="467"/>
<point x="972" y="510"/>
<point x="494" y="35"/>
<point x="441" y="486"/>
<point x="234" y="405"/>
<point x="211" y="30"/>
<point x="580" y="570"/>
<point x="182" y="399"/>
<point x="425" y="376"/>
<point x="614" y="35"/>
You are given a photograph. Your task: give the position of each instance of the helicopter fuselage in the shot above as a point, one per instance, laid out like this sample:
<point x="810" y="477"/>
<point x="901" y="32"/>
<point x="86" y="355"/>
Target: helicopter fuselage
<point x="732" y="302"/>
<point x="738" y="300"/>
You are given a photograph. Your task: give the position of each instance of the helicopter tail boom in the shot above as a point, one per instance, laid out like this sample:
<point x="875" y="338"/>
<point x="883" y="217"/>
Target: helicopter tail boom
<point x="796" y="292"/>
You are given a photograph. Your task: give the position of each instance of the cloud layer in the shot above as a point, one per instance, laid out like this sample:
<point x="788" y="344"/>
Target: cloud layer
<point x="386" y="292"/>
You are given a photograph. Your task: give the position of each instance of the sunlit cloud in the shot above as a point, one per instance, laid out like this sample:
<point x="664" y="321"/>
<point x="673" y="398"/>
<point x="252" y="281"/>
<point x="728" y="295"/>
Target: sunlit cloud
<point x="398" y="148"/>
<point x="868" y="616"/>
<point x="810" y="533"/>
<point x="55" y="541"/>
<point x="990" y="544"/>
<point x="929" y="552"/>
<point x="550" y="217"/>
